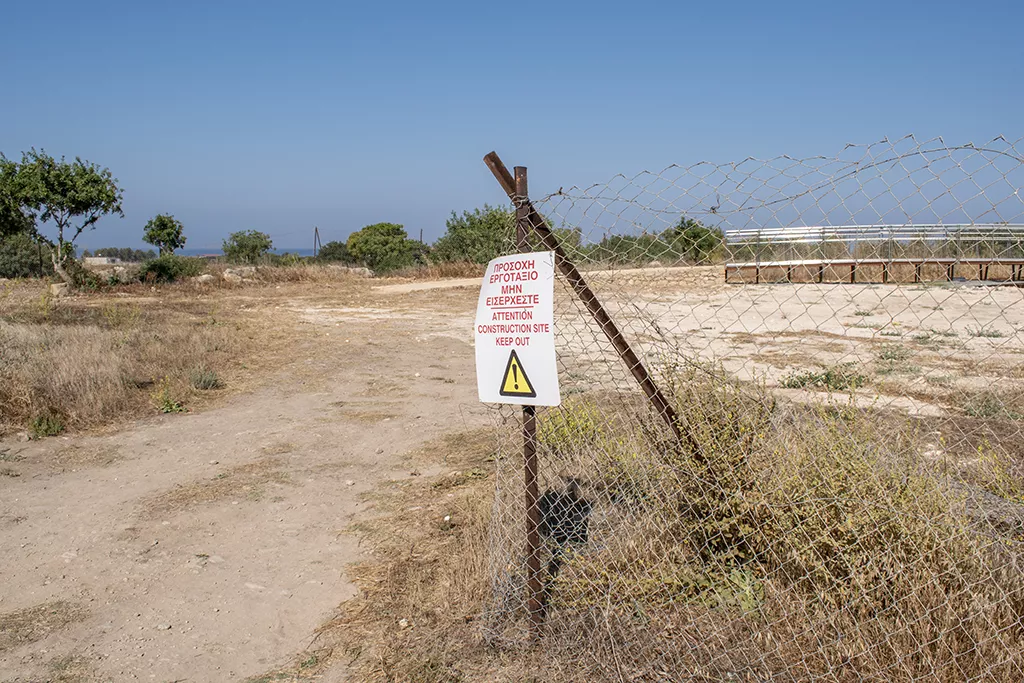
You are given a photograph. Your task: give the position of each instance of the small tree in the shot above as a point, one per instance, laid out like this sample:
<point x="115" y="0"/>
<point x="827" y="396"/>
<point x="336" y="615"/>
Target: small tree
<point x="165" y="233"/>
<point x="21" y="255"/>
<point x="695" y="241"/>
<point x="71" y="195"/>
<point x="247" y="246"/>
<point x="476" y="236"/>
<point x="13" y="218"/>
<point x="334" y="251"/>
<point x="382" y="247"/>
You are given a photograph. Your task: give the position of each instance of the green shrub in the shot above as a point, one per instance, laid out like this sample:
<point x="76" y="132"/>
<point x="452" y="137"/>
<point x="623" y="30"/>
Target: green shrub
<point x="894" y="353"/>
<point x="171" y="268"/>
<point x="694" y="241"/>
<point x="121" y="316"/>
<point x="83" y="278"/>
<point x="247" y="246"/>
<point x="572" y="428"/>
<point x="45" y="425"/>
<point x="989" y="404"/>
<point x="824" y="502"/>
<point x="205" y="379"/>
<point x="891" y="358"/>
<point x="477" y="236"/>
<point x="164" y="399"/>
<point x="836" y="378"/>
<point x="334" y="252"/>
<point x="385" y="247"/>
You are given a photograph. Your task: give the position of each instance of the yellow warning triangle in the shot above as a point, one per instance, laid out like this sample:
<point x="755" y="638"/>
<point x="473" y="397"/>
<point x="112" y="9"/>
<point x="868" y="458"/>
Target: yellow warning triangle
<point x="515" y="382"/>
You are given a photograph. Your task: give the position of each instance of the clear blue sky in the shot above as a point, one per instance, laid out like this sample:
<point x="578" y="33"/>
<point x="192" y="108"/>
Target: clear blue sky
<point x="281" y="116"/>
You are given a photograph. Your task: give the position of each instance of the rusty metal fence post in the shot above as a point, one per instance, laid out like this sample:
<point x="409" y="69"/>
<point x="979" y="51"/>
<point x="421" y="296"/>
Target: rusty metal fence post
<point x="533" y="578"/>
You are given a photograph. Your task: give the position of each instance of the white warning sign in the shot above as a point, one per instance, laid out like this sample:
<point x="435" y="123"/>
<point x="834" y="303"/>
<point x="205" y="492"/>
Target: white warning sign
<point x="515" y="336"/>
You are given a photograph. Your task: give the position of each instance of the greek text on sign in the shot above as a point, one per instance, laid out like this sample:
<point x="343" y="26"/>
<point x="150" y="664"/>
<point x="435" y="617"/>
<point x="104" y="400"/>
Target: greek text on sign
<point x="515" y="336"/>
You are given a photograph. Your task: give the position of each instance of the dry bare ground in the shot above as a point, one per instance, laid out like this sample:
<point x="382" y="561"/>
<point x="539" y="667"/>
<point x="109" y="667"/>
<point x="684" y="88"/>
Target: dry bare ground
<point x="209" y="546"/>
<point x="324" y="515"/>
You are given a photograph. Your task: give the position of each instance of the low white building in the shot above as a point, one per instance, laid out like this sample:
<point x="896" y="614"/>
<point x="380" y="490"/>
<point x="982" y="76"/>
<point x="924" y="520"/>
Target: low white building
<point x="101" y="260"/>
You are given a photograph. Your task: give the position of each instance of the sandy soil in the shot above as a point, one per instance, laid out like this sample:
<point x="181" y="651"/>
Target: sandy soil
<point x="209" y="547"/>
<point x="921" y="348"/>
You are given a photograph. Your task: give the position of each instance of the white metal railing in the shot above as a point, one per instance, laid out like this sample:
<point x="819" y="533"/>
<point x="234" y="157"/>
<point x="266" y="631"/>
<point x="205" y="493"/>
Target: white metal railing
<point x="857" y="233"/>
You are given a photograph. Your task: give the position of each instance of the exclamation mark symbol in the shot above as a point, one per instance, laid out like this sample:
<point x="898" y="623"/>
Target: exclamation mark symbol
<point x="515" y="375"/>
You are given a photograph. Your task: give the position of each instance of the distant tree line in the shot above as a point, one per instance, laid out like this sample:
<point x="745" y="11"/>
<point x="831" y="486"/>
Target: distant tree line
<point x="482" y="234"/>
<point x="46" y="204"/>
<point x="126" y="254"/>
<point x="68" y="198"/>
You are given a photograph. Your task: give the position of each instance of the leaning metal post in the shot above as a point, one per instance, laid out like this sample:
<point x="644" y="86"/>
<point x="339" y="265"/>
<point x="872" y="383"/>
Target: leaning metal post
<point x="536" y="222"/>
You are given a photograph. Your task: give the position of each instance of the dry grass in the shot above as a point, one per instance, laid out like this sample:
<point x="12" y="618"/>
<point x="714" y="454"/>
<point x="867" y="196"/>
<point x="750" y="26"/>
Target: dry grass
<point x="805" y="542"/>
<point x="795" y="542"/>
<point x="441" y="271"/>
<point x="77" y="456"/>
<point x="422" y="594"/>
<point x="306" y="272"/>
<point x="70" y="669"/>
<point x="94" y="360"/>
<point x="337" y="273"/>
<point x="35" y="623"/>
<point x="243" y="482"/>
<point x="98" y="359"/>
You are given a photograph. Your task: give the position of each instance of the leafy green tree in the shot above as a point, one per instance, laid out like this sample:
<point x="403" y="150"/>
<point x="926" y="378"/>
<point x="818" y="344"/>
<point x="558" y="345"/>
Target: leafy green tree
<point x="165" y="233"/>
<point x="71" y="195"/>
<point x="247" y="246"/>
<point x="476" y="236"/>
<point x="13" y="218"/>
<point x="334" y="251"/>
<point x="21" y="255"/>
<point x="695" y="241"/>
<point x="383" y="247"/>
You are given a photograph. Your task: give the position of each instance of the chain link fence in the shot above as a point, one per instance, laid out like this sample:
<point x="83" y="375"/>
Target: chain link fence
<point x="847" y="498"/>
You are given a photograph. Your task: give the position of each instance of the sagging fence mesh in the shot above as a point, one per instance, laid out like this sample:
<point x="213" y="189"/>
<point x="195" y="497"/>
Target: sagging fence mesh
<point x="846" y="500"/>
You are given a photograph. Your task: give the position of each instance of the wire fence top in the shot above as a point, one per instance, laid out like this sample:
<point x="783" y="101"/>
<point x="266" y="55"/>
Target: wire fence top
<point x="887" y="183"/>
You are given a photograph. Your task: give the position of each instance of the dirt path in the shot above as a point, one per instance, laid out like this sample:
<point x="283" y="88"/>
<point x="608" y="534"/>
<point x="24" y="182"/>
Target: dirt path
<point x="209" y="547"/>
<point x="428" y="285"/>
